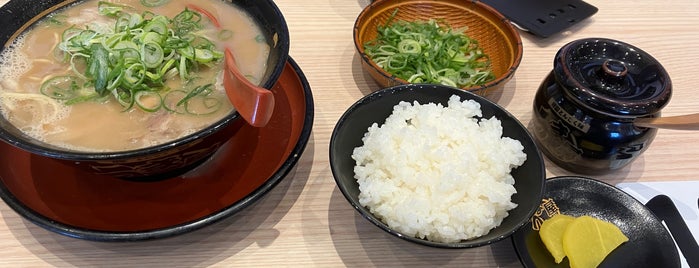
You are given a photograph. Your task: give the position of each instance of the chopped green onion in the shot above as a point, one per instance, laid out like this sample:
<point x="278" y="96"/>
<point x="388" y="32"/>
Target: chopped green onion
<point x="201" y="105"/>
<point x="78" y="57"/>
<point x="125" y="97"/>
<point x="135" y="20"/>
<point x="109" y="9"/>
<point x="206" y="13"/>
<point x="70" y="89"/>
<point x="203" y="55"/>
<point x="149" y="101"/>
<point x="83" y="98"/>
<point x="116" y="75"/>
<point x="167" y="67"/>
<point x="198" y="102"/>
<point x="427" y="52"/>
<point x="131" y="61"/>
<point x="409" y="46"/>
<point x="60" y="87"/>
<point x="152" y="55"/>
<point x="260" y="39"/>
<point x="158" y="25"/>
<point x="154" y="3"/>
<point x="206" y="89"/>
<point x="187" y="21"/>
<point x="134" y="75"/>
<point x="225" y="34"/>
<point x="57" y="19"/>
<point x="98" y="67"/>
<point x="183" y="69"/>
<point x="171" y="100"/>
<point x="195" y="102"/>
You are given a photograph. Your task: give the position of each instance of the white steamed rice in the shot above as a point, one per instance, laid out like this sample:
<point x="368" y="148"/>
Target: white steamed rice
<point x="436" y="172"/>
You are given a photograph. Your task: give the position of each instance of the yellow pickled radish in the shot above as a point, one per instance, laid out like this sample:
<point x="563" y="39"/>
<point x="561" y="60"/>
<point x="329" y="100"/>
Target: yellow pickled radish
<point x="551" y="233"/>
<point x="588" y="240"/>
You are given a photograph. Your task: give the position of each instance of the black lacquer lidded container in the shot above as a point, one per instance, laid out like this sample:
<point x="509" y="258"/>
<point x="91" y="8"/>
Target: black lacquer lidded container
<point x="584" y="108"/>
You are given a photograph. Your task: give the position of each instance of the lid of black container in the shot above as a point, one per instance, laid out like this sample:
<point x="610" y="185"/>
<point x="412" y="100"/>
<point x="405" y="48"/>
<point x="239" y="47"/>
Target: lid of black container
<point x="612" y="77"/>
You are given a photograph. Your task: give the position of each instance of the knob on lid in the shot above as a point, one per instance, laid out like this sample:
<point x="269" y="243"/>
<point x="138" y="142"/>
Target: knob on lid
<point x="612" y="77"/>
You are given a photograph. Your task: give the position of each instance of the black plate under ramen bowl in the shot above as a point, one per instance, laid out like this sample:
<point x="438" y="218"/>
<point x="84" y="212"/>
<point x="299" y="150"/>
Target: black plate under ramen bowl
<point x="377" y="106"/>
<point x="649" y="245"/>
<point x="154" y="162"/>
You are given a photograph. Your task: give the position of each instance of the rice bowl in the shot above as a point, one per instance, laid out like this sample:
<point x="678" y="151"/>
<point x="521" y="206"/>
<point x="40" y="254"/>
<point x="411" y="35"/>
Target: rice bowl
<point x="437" y="172"/>
<point x="377" y="106"/>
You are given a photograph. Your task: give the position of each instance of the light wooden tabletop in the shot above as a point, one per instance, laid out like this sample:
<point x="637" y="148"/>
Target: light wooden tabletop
<point x="305" y="221"/>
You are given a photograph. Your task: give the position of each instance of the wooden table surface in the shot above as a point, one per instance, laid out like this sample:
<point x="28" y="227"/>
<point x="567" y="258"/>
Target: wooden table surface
<point x="305" y="221"/>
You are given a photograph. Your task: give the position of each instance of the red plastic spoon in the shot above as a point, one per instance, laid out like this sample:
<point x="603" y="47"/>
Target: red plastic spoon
<point x="255" y="104"/>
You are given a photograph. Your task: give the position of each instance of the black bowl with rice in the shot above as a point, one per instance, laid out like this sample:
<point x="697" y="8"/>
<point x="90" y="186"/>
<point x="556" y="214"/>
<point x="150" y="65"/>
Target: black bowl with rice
<point x="437" y="165"/>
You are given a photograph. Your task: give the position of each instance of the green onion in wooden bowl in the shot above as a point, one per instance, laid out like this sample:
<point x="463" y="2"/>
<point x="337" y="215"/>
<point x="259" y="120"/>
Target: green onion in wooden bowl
<point x="464" y="44"/>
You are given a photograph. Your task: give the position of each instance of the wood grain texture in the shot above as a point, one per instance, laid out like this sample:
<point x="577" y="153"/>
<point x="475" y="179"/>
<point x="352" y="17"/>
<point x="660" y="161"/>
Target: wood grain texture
<point x="306" y="222"/>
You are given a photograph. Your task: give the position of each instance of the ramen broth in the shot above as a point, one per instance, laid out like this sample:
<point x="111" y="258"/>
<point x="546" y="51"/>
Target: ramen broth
<point x="106" y="125"/>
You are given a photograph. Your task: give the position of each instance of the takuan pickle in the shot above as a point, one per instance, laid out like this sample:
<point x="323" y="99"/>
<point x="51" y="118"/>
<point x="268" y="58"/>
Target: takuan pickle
<point x="586" y="241"/>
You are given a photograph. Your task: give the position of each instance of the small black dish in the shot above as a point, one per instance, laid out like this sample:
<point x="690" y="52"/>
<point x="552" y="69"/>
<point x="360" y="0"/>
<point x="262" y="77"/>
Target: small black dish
<point x="649" y="245"/>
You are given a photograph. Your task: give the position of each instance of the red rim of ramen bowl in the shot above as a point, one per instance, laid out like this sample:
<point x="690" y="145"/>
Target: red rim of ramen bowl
<point x="155" y="162"/>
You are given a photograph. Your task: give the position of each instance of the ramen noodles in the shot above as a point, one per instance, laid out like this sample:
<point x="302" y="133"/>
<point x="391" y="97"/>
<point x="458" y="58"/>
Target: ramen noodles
<point x="127" y="74"/>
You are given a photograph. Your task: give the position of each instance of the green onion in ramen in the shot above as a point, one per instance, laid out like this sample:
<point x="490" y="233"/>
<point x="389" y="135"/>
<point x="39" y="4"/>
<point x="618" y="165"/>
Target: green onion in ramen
<point x="126" y="74"/>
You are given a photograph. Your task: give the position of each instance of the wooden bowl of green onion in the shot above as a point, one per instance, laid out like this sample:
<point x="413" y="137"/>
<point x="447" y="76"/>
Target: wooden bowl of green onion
<point x="463" y="44"/>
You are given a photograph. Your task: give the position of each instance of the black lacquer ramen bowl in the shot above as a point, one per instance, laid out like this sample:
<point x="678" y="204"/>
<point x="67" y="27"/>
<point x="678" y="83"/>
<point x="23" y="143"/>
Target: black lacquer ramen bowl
<point x="161" y="161"/>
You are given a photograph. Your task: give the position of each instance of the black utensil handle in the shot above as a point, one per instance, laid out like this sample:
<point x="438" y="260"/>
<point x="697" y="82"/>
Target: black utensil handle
<point x="543" y="17"/>
<point x="663" y="207"/>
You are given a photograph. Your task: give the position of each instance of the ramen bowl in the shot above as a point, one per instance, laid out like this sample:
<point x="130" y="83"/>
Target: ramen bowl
<point x="351" y="130"/>
<point x="495" y="35"/>
<point x="158" y="161"/>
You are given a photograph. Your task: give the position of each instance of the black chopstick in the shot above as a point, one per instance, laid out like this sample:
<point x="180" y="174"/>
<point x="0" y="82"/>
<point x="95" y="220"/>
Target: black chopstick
<point x="663" y="207"/>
